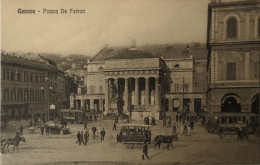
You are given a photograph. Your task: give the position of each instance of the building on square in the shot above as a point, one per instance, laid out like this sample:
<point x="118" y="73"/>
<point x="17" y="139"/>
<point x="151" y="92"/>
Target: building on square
<point x="233" y="57"/>
<point x="29" y="87"/>
<point x="148" y="80"/>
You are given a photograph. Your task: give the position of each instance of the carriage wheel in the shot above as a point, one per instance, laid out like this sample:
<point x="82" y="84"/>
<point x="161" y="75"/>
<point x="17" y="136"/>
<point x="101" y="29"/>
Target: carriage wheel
<point x="61" y="132"/>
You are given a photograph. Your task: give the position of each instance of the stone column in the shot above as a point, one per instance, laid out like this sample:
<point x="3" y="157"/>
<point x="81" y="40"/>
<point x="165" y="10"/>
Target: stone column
<point x="92" y="106"/>
<point x="136" y="91"/>
<point x="126" y="95"/>
<point x="247" y="56"/>
<point x="156" y="95"/>
<point x="106" y="96"/>
<point x="116" y="88"/>
<point x="146" y="91"/>
<point x="82" y="103"/>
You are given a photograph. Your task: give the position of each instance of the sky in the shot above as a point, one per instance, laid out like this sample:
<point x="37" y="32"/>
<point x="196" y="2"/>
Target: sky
<point x="112" y="22"/>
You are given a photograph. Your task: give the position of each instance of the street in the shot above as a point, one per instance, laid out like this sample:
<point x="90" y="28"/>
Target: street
<point x="199" y="148"/>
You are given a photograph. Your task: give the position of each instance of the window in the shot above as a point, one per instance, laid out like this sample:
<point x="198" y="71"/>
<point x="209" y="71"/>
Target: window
<point x="36" y="95"/>
<point x="31" y="95"/>
<point x="231" y="27"/>
<point x="12" y="75"/>
<point x="13" y="94"/>
<point x="26" y="94"/>
<point x="6" y="74"/>
<point x="36" y="78"/>
<point x="197" y="104"/>
<point x="31" y="78"/>
<point x="20" y="94"/>
<point x="42" y="95"/>
<point x="256" y="69"/>
<point x="6" y="94"/>
<point x="231" y="71"/>
<point x="19" y="76"/>
<point x="25" y="77"/>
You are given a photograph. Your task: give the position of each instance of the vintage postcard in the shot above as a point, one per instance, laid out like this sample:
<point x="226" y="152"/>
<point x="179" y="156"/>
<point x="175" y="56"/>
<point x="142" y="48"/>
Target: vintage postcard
<point x="130" y="82"/>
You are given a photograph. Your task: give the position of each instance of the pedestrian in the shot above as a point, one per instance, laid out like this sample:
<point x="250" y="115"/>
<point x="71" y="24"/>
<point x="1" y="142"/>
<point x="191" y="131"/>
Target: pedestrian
<point x="94" y="129"/>
<point x="16" y="140"/>
<point x="95" y="117"/>
<point x="46" y="130"/>
<point x="154" y="121"/>
<point x="220" y="133"/>
<point x="191" y="124"/>
<point x="147" y="120"/>
<point x="114" y="128"/>
<point x="31" y="123"/>
<point x="85" y="125"/>
<point x="164" y="122"/>
<point x="42" y="129"/>
<point x="174" y="130"/>
<point x="103" y="133"/>
<point x="169" y="122"/>
<point x="177" y="118"/>
<point x="65" y="123"/>
<point x="245" y="133"/>
<point x="21" y="130"/>
<point x="182" y="129"/>
<point x="144" y="120"/>
<point x="239" y="132"/>
<point x="98" y="129"/>
<point x="145" y="151"/>
<point x="86" y="136"/>
<point x="78" y="138"/>
<point x="82" y="137"/>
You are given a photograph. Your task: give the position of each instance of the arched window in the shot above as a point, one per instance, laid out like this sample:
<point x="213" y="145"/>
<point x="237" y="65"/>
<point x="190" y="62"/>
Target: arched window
<point x="259" y="26"/>
<point x="232" y="27"/>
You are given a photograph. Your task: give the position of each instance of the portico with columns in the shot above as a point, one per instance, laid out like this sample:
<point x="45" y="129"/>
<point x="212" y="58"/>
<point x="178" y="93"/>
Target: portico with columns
<point x="129" y="88"/>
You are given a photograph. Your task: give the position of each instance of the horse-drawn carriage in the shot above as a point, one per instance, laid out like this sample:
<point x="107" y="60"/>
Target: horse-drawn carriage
<point x="56" y="128"/>
<point x="5" y="143"/>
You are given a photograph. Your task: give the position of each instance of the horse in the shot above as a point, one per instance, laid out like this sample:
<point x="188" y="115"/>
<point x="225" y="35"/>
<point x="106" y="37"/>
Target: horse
<point x="12" y="141"/>
<point x="164" y="139"/>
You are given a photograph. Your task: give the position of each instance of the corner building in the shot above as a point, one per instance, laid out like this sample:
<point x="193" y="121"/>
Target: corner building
<point x="233" y="57"/>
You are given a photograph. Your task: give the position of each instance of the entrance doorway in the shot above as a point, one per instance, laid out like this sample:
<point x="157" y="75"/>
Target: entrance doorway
<point x="255" y="104"/>
<point x="231" y="103"/>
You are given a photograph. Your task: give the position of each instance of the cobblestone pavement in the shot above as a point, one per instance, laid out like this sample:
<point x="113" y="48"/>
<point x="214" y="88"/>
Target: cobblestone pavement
<point x="199" y="148"/>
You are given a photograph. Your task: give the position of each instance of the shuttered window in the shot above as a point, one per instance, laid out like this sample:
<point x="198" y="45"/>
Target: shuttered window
<point x="231" y="71"/>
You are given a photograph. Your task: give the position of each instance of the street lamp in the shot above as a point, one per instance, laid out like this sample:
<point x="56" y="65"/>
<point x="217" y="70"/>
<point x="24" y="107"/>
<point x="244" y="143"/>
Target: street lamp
<point x="48" y="96"/>
<point x="183" y="84"/>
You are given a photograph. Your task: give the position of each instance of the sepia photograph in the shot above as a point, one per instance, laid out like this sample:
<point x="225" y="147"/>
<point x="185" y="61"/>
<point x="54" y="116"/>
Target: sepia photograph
<point x="121" y="82"/>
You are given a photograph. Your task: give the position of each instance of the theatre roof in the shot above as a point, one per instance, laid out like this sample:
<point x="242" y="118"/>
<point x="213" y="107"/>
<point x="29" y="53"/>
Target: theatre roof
<point x="167" y="51"/>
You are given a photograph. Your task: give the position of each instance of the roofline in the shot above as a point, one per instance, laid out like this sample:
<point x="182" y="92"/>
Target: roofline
<point x="235" y="3"/>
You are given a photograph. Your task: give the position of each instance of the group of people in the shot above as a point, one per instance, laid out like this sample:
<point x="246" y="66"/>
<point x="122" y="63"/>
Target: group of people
<point x="182" y="117"/>
<point x="83" y="137"/>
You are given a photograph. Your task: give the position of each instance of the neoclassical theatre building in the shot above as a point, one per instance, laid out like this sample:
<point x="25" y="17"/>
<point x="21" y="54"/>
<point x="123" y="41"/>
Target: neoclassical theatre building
<point x="234" y="56"/>
<point x="149" y="81"/>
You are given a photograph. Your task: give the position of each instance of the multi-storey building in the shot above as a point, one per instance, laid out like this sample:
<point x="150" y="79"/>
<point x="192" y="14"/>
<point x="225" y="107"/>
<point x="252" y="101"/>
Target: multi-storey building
<point x="153" y="77"/>
<point x="29" y="87"/>
<point x="233" y="56"/>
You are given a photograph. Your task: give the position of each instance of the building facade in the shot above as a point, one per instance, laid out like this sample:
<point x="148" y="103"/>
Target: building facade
<point x="145" y="81"/>
<point x="29" y="87"/>
<point x="233" y="59"/>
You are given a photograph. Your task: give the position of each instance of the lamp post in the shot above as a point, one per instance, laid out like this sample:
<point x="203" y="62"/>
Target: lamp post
<point x="47" y="89"/>
<point x="164" y="99"/>
<point x="183" y="95"/>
